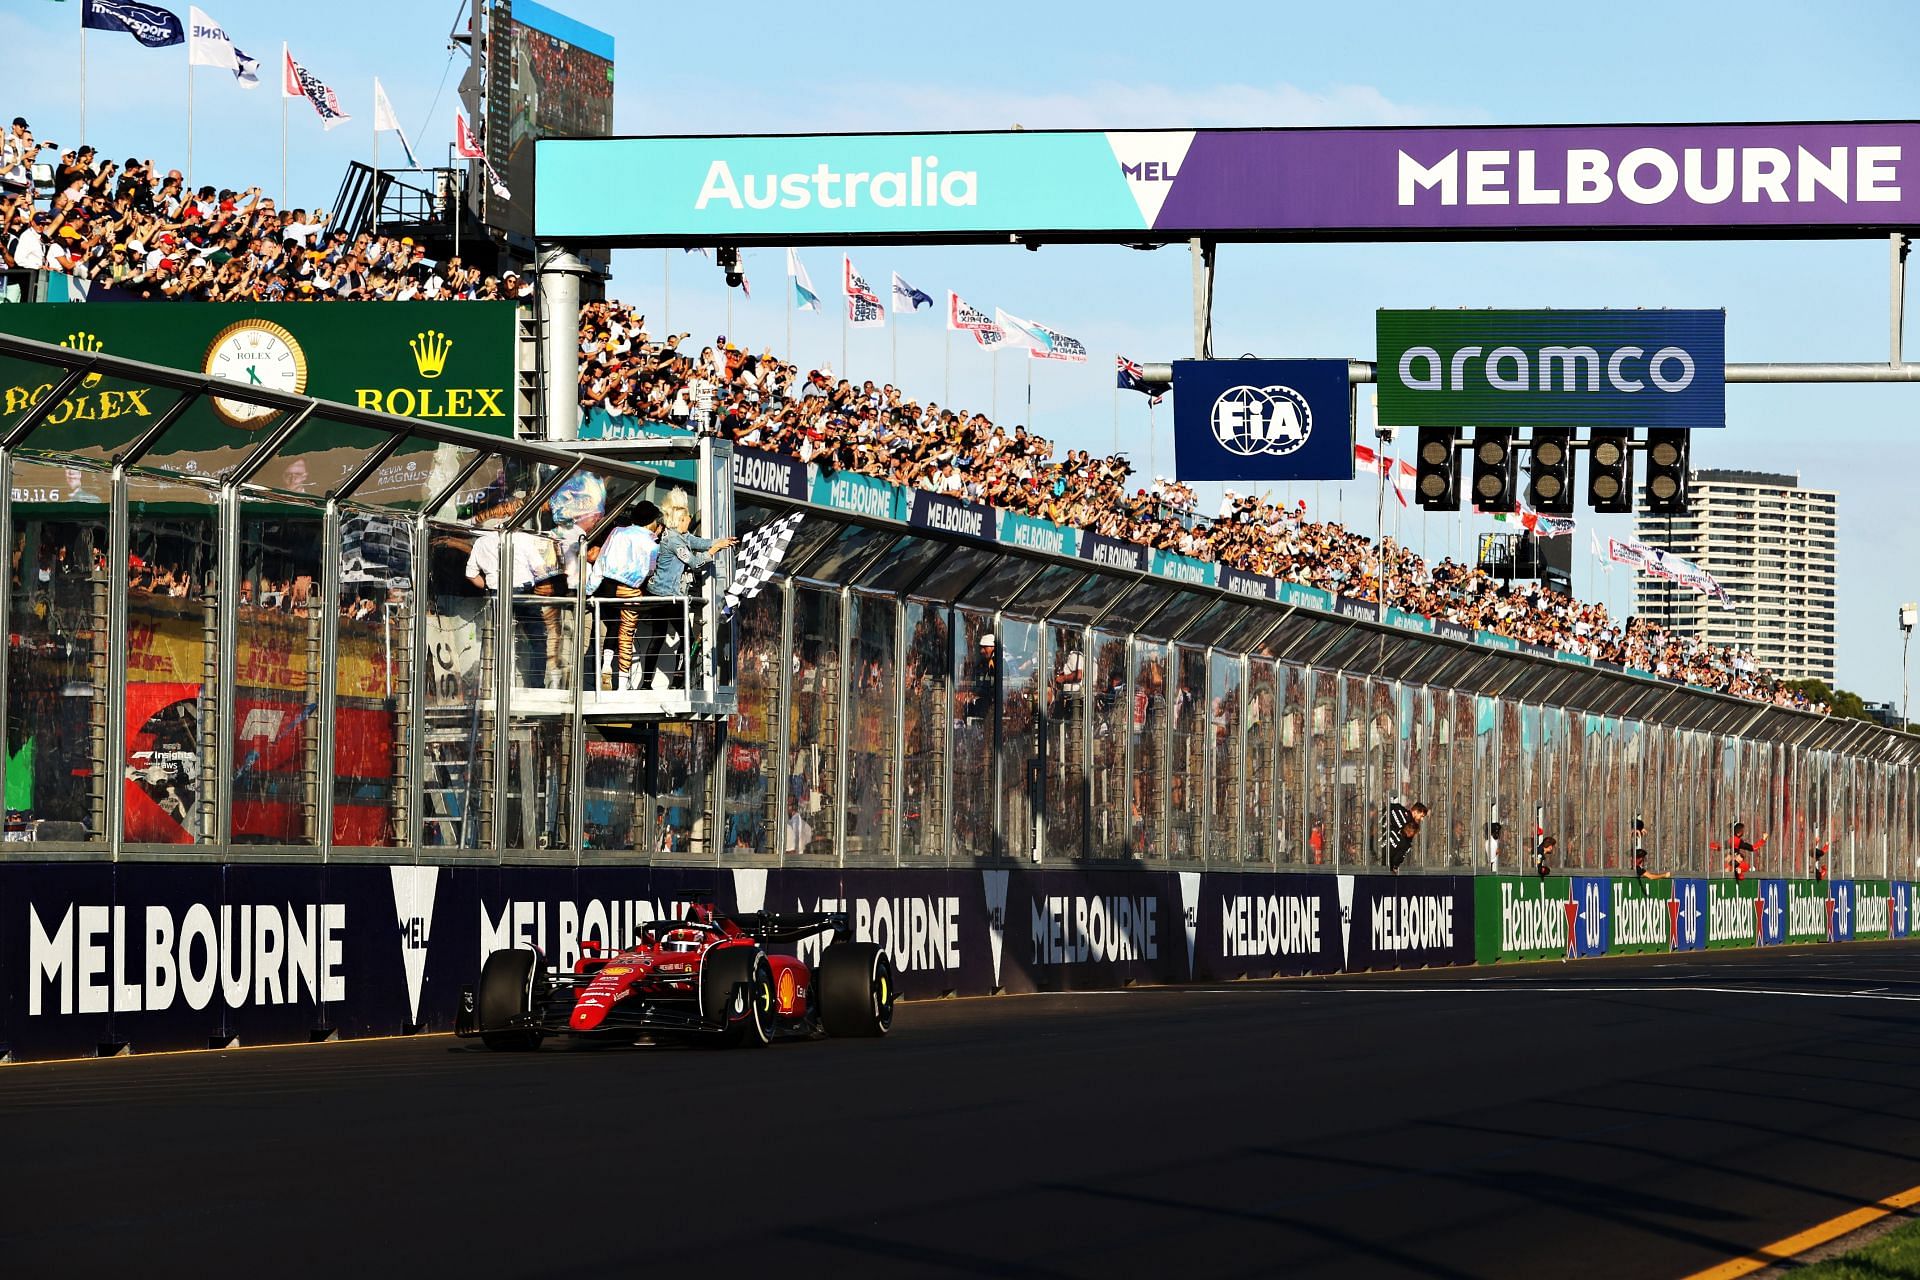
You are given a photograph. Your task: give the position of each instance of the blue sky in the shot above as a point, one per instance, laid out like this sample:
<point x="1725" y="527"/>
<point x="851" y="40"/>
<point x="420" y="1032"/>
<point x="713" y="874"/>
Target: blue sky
<point x="764" y="68"/>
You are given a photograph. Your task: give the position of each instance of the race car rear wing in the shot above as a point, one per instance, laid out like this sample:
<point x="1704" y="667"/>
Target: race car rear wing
<point x="792" y="926"/>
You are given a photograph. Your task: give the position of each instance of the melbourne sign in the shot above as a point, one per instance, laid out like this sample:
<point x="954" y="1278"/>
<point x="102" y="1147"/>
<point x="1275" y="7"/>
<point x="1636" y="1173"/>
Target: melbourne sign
<point x="1699" y="180"/>
<point x="1552" y="368"/>
<point x="1262" y="420"/>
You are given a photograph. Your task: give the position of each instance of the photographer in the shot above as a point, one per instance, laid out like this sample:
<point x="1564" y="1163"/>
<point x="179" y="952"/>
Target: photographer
<point x="18" y="152"/>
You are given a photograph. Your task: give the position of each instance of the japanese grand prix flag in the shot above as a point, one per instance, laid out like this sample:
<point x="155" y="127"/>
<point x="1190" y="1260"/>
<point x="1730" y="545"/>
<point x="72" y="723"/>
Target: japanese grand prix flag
<point x="208" y="45"/>
<point x="864" y="308"/>
<point x="298" y="82"/>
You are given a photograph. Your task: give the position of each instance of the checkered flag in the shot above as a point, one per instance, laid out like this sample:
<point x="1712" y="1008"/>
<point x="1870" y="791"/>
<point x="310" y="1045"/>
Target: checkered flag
<point x="759" y="555"/>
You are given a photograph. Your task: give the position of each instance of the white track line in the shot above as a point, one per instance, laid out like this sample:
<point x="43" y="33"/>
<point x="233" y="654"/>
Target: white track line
<point x="1605" y="989"/>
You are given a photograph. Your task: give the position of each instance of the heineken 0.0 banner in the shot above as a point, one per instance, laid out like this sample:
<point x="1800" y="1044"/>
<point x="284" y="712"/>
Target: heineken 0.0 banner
<point x="445" y="362"/>
<point x="1552" y="368"/>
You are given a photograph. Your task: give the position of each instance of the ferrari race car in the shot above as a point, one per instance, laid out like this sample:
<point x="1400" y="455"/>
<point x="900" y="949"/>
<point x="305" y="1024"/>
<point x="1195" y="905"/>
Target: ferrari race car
<point x="705" y="978"/>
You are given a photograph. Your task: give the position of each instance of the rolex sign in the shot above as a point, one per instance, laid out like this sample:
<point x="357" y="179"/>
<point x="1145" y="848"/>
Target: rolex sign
<point x="447" y="362"/>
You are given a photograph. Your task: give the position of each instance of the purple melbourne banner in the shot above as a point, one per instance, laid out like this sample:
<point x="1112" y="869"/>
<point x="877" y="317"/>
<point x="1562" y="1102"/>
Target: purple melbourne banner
<point x="1710" y="177"/>
<point x="1568" y="181"/>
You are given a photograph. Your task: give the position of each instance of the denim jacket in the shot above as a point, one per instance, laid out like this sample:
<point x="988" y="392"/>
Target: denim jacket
<point x="679" y="553"/>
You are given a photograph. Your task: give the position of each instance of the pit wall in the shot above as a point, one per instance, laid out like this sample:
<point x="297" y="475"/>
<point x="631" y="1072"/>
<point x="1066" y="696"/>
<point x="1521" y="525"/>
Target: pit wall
<point x="103" y="958"/>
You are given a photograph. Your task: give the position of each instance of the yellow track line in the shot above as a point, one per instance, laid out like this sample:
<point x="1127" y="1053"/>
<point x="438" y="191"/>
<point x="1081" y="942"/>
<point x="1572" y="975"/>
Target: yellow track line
<point x="1812" y="1238"/>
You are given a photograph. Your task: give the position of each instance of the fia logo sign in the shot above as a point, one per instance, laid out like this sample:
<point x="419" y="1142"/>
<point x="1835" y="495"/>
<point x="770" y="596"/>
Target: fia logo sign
<point x="1250" y="421"/>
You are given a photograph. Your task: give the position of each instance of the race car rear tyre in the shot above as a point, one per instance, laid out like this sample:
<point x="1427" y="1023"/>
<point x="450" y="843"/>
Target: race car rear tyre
<point x="506" y="993"/>
<point x="736" y="995"/>
<point x="856" y="990"/>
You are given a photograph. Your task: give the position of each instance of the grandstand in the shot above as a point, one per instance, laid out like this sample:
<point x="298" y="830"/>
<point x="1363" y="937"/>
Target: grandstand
<point x="1090" y="677"/>
<point x="130" y="232"/>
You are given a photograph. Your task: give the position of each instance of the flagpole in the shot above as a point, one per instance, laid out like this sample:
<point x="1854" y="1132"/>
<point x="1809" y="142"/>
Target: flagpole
<point x="189" y="121"/>
<point x="1116" y="415"/>
<point x="846" y="305"/>
<point x="946" y="383"/>
<point x="995" y="406"/>
<point x="666" y="293"/>
<point x="83" y="81"/>
<point x="283" y="124"/>
<point x="894" y="330"/>
<point x="790" y="288"/>
<point x="1152" y="432"/>
<point x="1030" y="391"/>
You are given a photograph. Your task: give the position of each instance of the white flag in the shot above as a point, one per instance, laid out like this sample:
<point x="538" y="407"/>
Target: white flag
<point x="1058" y="345"/>
<point x="208" y="46"/>
<point x="803" y="295"/>
<point x="964" y="316"/>
<point x="864" y="308"/>
<point x="384" y="121"/>
<point x="907" y="298"/>
<point x="1020" y="333"/>
<point x="298" y="82"/>
<point x="383" y="117"/>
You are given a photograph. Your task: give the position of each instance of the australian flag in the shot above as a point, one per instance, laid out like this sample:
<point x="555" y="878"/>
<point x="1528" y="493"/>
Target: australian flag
<point x="151" y="25"/>
<point x="1132" y="378"/>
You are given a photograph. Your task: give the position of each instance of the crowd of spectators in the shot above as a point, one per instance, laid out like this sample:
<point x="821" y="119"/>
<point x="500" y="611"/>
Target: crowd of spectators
<point x="877" y="430"/>
<point x="139" y="229"/>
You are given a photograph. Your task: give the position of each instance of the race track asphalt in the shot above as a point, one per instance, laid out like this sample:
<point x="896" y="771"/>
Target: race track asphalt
<point x="1627" y="1118"/>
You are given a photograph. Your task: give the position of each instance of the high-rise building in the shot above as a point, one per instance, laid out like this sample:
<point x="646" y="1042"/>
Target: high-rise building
<point x="1770" y="544"/>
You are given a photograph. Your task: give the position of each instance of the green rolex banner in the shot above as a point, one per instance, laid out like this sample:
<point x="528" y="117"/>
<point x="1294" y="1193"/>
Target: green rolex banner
<point x="447" y="362"/>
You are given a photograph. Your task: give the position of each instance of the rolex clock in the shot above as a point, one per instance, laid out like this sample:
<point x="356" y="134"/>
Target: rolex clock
<point x="260" y="354"/>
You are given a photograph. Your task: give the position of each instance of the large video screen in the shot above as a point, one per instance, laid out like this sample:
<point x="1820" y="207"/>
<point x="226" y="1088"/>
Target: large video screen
<point x="548" y="76"/>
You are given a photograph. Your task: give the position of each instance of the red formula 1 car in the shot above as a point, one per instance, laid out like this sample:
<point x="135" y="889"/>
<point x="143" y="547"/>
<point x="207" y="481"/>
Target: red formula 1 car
<point x="705" y="978"/>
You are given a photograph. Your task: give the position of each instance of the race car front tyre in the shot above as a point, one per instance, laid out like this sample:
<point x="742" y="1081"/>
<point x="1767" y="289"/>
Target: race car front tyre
<point x="856" y="990"/>
<point x="736" y="996"/>
<point x="506" y="993"/>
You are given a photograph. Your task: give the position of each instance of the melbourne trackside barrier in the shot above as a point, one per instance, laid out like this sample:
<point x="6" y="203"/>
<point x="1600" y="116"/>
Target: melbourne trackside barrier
<point x="97" y="957"/>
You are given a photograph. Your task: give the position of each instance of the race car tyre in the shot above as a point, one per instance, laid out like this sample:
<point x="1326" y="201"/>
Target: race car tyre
<point x="736" y="995"/>
<point x="856" y="990"/>
<point x="506" y="993"/>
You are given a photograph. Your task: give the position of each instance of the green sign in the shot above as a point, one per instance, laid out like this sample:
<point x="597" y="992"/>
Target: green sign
<point x="1872" y="909"/>
<point x="1733" y="919"/>
<point x="1520" y="917"/>
<point x="1552" y="368"/>
<point x="1806" y="911"/>
<point x="447" y="362"/>
<point x="1642" y="921"/>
